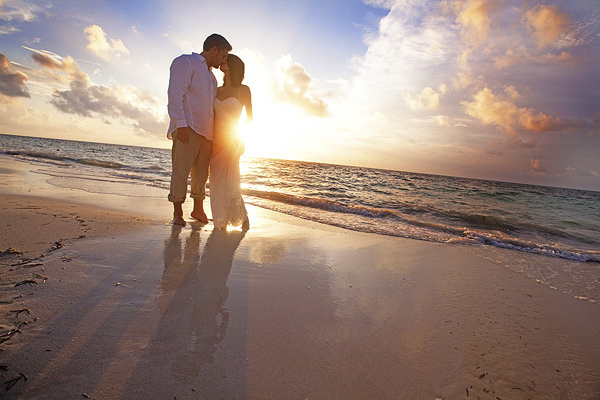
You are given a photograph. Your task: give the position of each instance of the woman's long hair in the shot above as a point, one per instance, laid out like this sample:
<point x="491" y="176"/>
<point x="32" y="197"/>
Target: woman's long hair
<point x="236" y="70"/>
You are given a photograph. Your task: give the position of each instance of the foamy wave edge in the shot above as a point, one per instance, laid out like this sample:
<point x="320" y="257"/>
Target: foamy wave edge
<point x="461" y="235"/>
<point x="92" y="162"/>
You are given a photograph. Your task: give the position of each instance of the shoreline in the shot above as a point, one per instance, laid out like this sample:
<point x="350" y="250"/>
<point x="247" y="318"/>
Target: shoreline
<point x="290" y="309"/>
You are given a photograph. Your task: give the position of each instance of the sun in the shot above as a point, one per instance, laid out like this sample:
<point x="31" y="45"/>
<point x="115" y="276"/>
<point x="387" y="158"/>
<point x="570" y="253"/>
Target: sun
<point x="279" y="129"/>
<point x="273" y="133"/>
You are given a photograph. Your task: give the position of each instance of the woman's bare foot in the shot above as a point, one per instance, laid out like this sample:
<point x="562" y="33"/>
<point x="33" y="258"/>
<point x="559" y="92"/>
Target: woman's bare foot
<point x="246" y="224"/>
<point x="198" y="211"/>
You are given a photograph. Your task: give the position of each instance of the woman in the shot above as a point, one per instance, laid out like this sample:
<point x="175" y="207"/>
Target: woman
<point x="226" y="200"/>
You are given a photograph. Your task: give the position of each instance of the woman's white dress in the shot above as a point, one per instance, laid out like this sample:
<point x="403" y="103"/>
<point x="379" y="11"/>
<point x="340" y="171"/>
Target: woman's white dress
<point x="226" y="201"/>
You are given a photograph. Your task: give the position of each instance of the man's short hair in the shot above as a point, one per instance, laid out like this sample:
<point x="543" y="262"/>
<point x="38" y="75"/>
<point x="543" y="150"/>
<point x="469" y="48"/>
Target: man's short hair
<point x="216" y="40"/>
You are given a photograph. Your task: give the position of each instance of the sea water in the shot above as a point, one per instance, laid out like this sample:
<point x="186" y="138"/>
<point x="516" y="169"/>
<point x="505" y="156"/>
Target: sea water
<point x="548" y="221"/>
<point x="552" y="234"/>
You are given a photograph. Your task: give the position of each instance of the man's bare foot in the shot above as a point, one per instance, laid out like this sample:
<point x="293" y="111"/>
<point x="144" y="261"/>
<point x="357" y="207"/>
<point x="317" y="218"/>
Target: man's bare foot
<point x="178" y="215"/>
<point x="178" y="220"/>
<point x="200" y="215"/>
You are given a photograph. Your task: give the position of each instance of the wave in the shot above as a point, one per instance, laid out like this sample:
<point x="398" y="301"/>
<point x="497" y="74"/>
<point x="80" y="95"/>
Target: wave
<point x="371" y="208"/>
<point x="92" y="162"/>
<point x="499" y="223"/>
<point x="493" y="231"/>
<point x="97" y="163"/>
<point x="57" y="157"/>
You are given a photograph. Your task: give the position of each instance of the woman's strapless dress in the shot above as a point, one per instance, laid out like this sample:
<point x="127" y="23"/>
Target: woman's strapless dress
<point x="226" y="202"/>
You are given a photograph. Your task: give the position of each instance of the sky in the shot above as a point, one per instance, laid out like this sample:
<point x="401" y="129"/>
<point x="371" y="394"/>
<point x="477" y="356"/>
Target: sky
<point x="503" y="90"/>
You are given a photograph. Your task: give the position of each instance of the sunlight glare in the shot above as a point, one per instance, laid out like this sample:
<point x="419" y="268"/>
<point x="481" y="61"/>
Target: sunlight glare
<point x="280" y="133"/>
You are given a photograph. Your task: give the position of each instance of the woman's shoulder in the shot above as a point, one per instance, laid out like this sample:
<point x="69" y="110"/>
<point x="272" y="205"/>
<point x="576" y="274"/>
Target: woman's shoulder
<point x="245" y="92"/>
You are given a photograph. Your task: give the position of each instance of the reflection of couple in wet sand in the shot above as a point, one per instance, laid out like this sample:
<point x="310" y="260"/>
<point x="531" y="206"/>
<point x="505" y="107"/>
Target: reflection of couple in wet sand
<point x="193" y="318"/>
<point x="203" y="126"/>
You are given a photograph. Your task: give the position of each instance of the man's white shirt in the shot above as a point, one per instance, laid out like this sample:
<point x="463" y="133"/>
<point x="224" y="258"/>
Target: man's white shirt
<point x="192" y="91"/>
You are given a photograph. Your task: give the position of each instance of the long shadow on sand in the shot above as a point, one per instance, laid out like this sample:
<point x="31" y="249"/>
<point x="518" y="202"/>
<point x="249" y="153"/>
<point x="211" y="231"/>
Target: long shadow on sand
<point x="62" y="352"/>
<point x="193" y="318"/>
<point x="154" y="336"/>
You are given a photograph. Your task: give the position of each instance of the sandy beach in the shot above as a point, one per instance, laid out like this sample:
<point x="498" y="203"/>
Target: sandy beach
<point x="102" y="298"/>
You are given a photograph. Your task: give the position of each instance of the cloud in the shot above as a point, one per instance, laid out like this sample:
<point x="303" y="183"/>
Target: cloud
<point x="473" y="16"/>
<point x="89" y="100"/>
<point x="547" y="23"/>
<point x="121" y="101"/>
<point x="12" y="11"/>
<point x="86" y="100"/>
<point x="388" y="4"/>
<point x="512" y="92"/>
<point x="407" y="35"/>
<point x="468" y="45"/>
<point x="293" y="85"/>
<point x="180" y="43"/>
<point x="15" y="10"/>
<point x="413" y="43"/>
<point x="441" y="120"/>
<point x="521" y="55"/>
<point x="12" y="84"/>
<point x="66" y="64"/>
<point x="54" y="68"/>
<point x="473" y="19"/>
<point x="537" y="168"/>
<point x="427" y="99"/>
<point x="7" y="30"/>
<point x="99" y="45"/>
<point x="494" y="110"/>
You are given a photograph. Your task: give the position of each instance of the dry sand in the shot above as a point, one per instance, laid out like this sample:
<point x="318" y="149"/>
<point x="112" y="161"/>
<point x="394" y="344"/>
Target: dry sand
<point x="138" y="309"/>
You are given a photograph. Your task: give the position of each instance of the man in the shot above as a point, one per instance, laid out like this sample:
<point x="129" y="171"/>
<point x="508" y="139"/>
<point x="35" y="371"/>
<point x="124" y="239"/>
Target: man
<point x="192" y="90"/>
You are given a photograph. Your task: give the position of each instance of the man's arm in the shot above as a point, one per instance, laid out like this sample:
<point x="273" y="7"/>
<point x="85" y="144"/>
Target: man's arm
<point x="179" y="80"/>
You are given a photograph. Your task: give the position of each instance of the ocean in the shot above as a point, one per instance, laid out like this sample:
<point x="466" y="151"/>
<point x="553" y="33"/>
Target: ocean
<point x="558" y="228"/>
<point x="549" y="222"/>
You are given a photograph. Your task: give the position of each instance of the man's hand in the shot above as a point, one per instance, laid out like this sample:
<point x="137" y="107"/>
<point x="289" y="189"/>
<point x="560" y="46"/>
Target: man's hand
<point x="183" y="134"/>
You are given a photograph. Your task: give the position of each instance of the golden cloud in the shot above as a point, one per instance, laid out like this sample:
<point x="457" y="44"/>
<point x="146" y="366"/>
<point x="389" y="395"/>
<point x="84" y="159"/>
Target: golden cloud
<point x="57" y="68"/>
<point x="521" y="55"/>
<point x="100" y="46"/>
<point x="473" y="15"/>
<point x="12" y="83"/>
<point x="547" y="23"/>
<point x="427" y="99"/>
<point x="295" y="86"/>
<point x="66" y="64"/>
<point x="493" y="110"/>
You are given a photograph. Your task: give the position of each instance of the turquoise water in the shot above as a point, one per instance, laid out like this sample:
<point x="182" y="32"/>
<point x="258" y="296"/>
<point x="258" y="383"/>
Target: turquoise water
<point x="556" y="222"/>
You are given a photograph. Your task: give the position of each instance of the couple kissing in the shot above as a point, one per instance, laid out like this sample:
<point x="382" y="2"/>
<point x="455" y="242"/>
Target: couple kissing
<point x="204" y="129"/>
